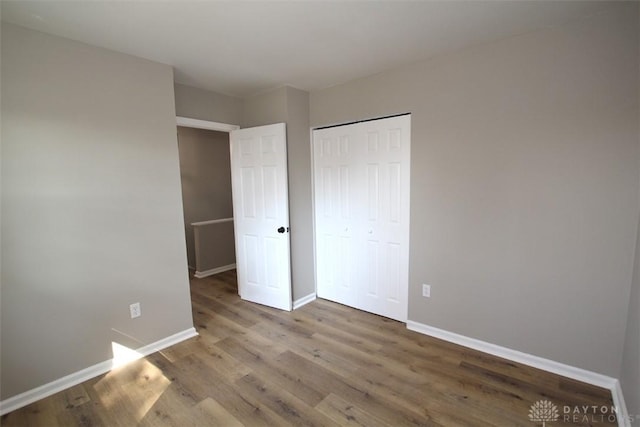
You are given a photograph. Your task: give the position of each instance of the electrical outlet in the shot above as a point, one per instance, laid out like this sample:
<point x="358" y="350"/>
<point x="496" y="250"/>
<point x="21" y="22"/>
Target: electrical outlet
<point x="134" y="309"/>
<point x="426" y="291"/>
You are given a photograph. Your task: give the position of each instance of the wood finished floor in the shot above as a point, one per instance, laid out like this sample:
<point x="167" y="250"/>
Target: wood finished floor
<point x="323" y="364"/>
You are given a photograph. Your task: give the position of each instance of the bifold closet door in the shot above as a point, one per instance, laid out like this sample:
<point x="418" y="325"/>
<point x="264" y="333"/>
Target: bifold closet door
<point x="361" y="174"/>
<point x="335" y="161"/>
<point x="385" y="255"/>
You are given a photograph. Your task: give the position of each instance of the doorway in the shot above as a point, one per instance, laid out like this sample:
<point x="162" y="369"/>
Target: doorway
<point x="205" y="176"/>
<point x="256" y="161"/>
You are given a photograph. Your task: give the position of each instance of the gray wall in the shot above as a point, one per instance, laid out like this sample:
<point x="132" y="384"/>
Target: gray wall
<point x="205" y="172"/>
<point x="524" y="185"/>
<point x="630" y="373"/>
<point x="200" y="104"/>
<point x="300" y="203"/>
<point x="265" y="108"/>
<point x="91" y="209"/>
<point x="215" y="246"/>
<point x="291" y="106"/>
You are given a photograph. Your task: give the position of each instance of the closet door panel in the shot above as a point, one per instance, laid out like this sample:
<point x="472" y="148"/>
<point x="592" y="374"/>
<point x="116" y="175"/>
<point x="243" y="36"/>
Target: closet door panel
<point x="334" y="204"/>
<point x="387" y="160"/>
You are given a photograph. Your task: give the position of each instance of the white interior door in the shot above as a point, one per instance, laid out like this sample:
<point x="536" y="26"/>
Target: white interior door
<point x="361" y="182"/>
<point x="386" y="219"/>
<point x="336" y="213"/>
<point x="261" y="214"/>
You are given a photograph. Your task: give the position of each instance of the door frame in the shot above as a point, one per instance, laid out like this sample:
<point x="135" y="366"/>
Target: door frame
<point x="207" y="125"/>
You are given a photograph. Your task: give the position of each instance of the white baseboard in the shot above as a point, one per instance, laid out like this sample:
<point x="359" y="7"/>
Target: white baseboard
<point x="167" y="342"/>
<point x="46" y="390"/>
<point x="618" y="401"/>
<point x="548" y="365"/>
<point x="304" y="300"/>
<point x="207" y="273"/>
<point x="516" y="356"/>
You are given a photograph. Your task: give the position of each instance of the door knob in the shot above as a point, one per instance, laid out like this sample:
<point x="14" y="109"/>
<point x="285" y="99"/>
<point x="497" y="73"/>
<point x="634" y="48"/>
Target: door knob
<point x="281" y="230"/>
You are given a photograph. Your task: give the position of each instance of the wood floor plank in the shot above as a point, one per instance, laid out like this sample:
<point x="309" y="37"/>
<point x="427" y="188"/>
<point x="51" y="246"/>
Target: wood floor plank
<point x="346" y="414"/>
<point x="531" y="392"/>
<point x="168" y="408"/>
<point x="215" y="324"/>
<point x="181" y="349"/>
<point x="229" y="311"/>
<point x="75" y="396"/>
<point x="280" y="375"/>
<point x="206" y="384"/>
<point x="208" y="412"/>
<point x="336" y="332"/>
<point x="323" y="364"/>
<point x="438" y="399"/>
<point x="327" y="382"/>
<point x="285" y="404"/>
<point x="224" y="364"/>
<point x="311" y="349"/>
<point x="90" y="415"/>
<point x="112" y="404"/>
<point x="40" y="413"/>
<point x="212" y="413"/>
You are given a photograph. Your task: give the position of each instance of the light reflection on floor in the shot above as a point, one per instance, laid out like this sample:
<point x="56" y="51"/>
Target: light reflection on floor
<point x="133" y="386"/>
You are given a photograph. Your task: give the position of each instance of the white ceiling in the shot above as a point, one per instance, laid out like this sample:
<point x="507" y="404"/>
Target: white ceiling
<point x="242" y="48"/>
